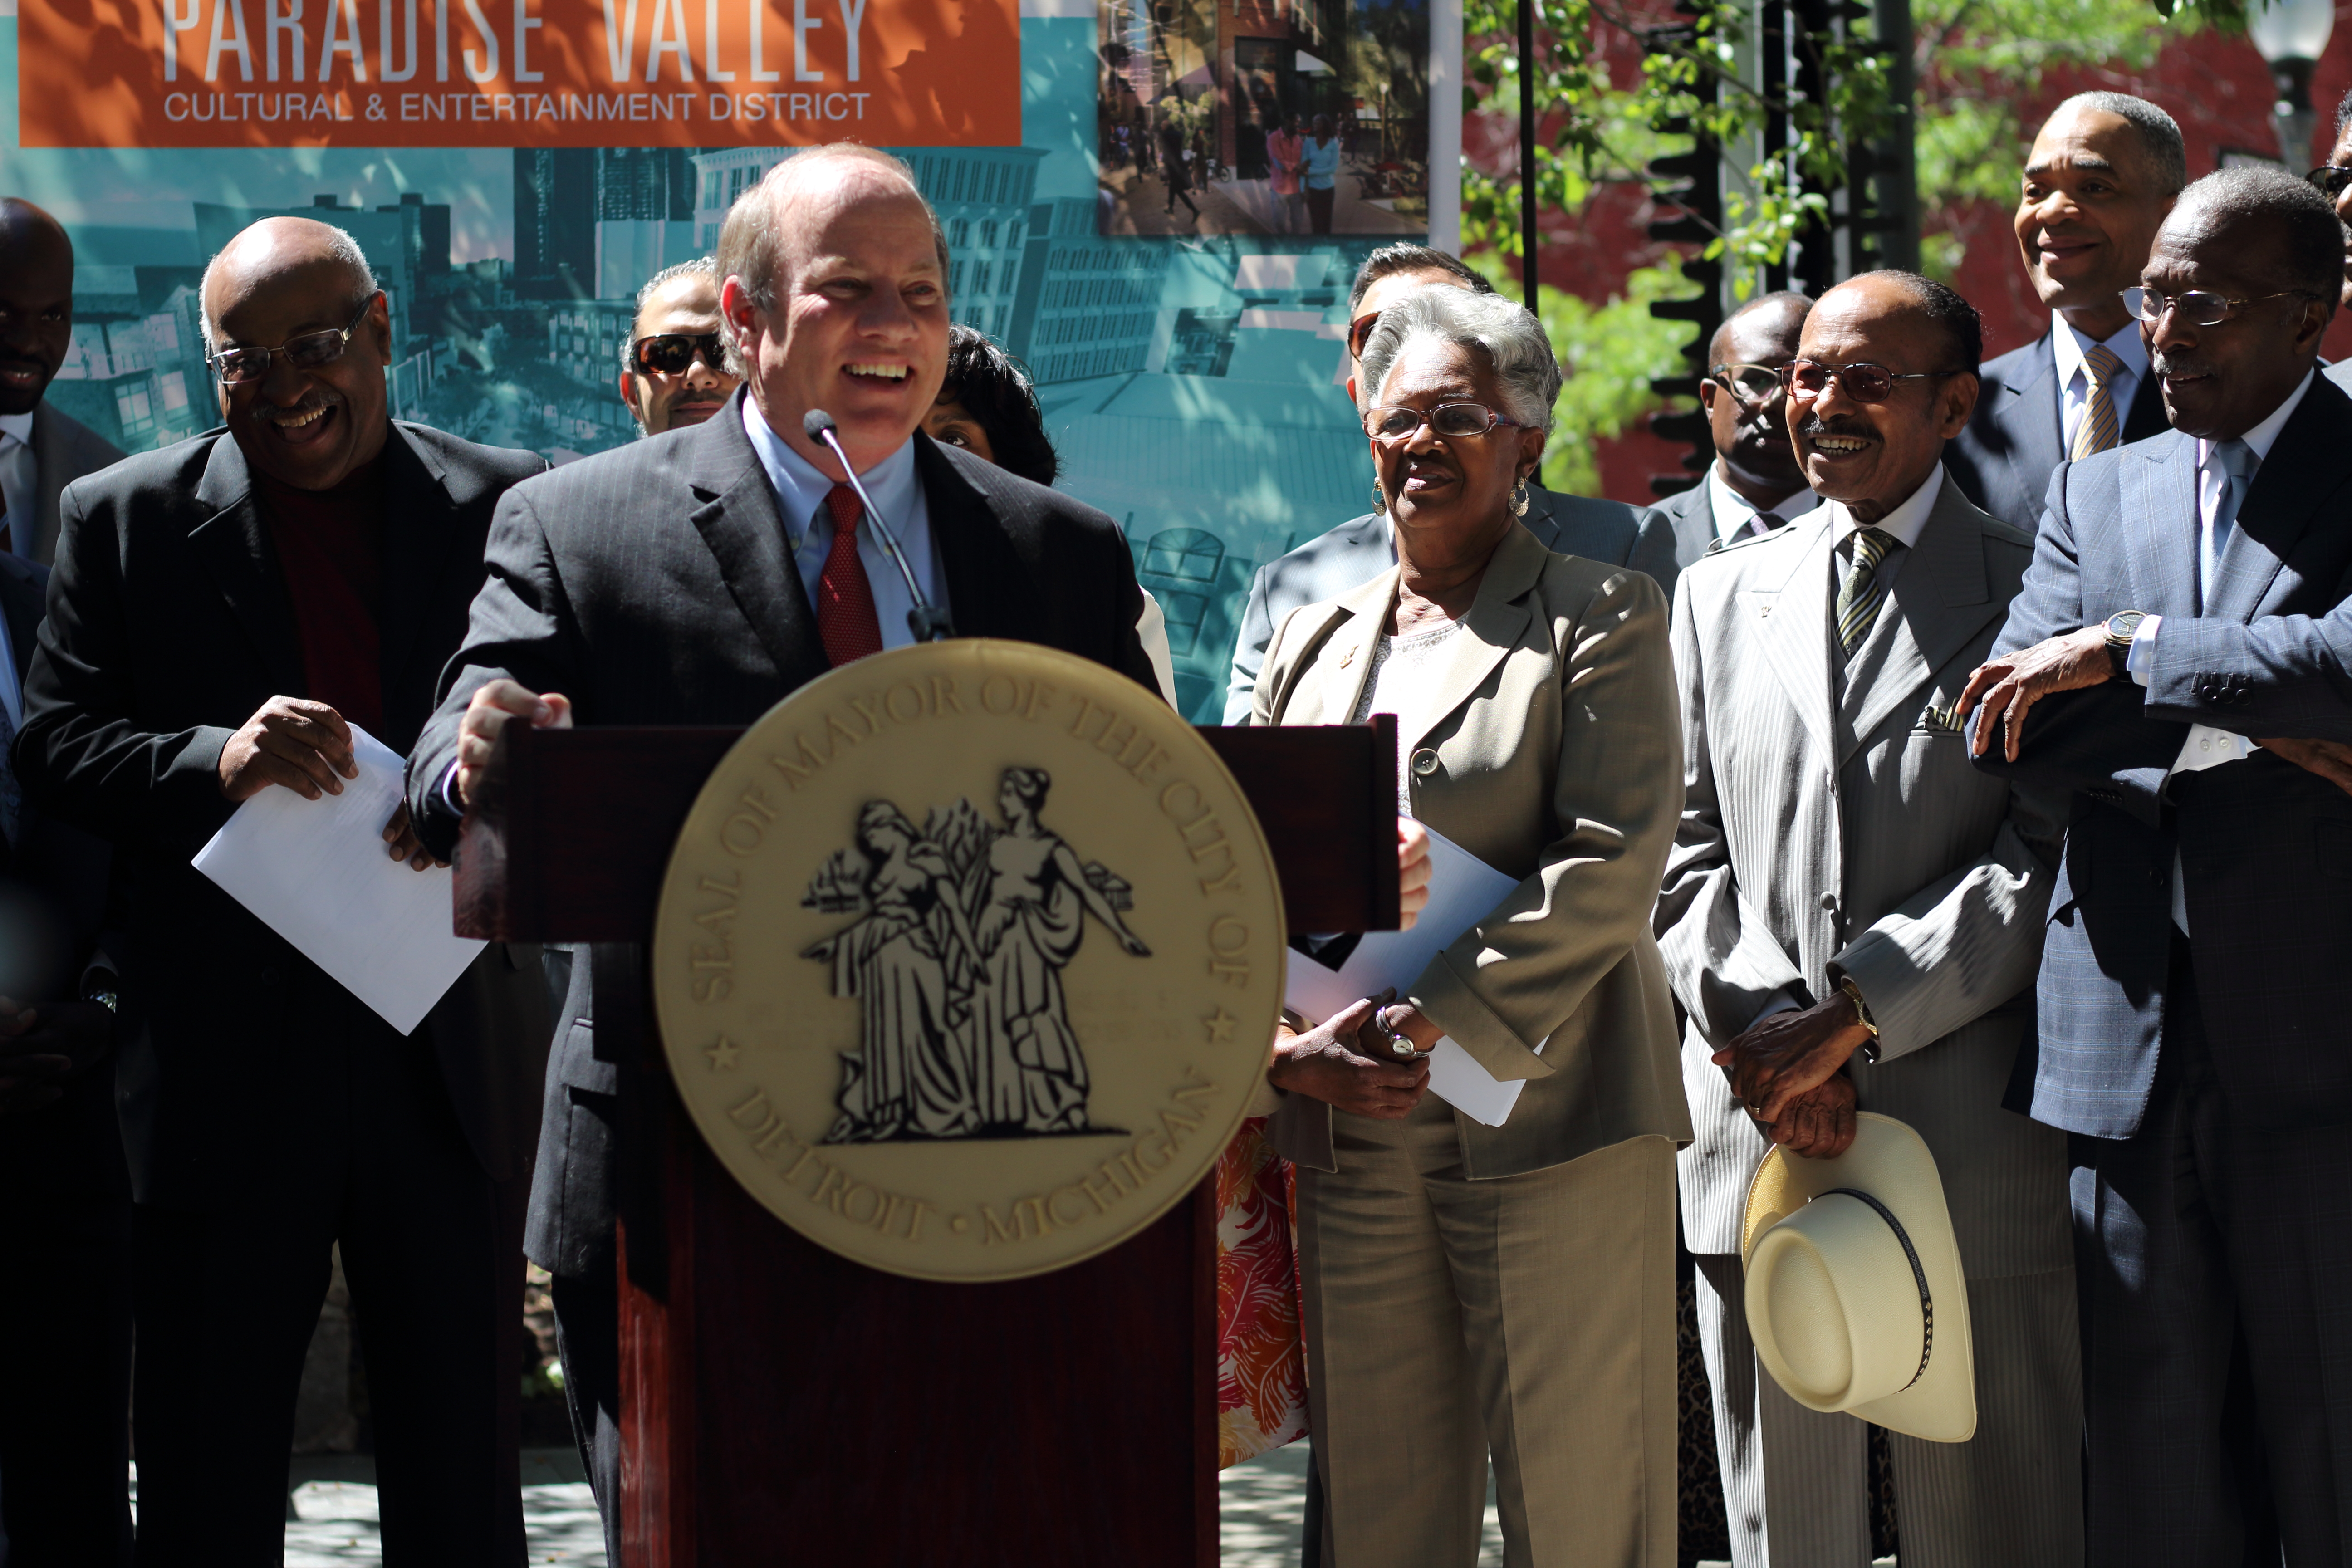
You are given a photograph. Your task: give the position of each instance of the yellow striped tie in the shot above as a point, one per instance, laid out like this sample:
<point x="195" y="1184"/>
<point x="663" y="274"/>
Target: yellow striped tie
<point x="2096" y="431"/>
<point x="1860" y="598"/>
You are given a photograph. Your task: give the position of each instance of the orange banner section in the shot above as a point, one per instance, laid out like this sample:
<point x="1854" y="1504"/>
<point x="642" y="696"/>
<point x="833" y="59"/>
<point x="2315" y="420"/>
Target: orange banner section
<point x="507" y="73"/>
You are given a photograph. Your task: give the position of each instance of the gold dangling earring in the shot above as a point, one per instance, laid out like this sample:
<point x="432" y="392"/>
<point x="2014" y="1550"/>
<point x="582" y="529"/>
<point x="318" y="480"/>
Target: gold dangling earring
<point x="1519" y="500"/>
<point x="1380" y="496"/>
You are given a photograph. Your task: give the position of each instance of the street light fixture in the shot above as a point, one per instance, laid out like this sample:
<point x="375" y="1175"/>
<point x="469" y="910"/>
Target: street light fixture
<point x="2291" y="35"/>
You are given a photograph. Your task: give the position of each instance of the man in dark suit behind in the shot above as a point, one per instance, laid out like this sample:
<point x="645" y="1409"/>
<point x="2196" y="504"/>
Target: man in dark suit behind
<point x="224" y="612"/>
<point x="1361" y="548"/>
<point x="700" y="576"/>
<point x="2101" y="176"/>
<point x="42" y="450"/>
<point x="65" y="1198"/>
<point x="1755" y="484"/>
<point x="2193" y="995"/>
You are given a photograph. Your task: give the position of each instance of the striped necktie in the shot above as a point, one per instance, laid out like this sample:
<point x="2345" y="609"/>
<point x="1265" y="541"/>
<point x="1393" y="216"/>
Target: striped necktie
<point x="2097" y="430"/>
<point x="1862" y="593"/>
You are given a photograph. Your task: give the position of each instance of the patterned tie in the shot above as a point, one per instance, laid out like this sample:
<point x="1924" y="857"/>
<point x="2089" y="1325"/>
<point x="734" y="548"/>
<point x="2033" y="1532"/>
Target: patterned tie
<point x="1862" y="593"/>
<point x="2097" y="429"/>
<point x="846" y="621"/>
<point x="1764" y="522"/>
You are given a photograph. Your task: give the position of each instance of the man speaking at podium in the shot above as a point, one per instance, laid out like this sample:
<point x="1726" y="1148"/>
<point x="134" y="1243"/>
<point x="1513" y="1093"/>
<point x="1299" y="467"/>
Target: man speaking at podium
<point x="702" y="576"/>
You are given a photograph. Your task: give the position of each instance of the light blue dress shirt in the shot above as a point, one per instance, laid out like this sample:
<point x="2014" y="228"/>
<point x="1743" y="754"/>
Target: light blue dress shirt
<point x="801" y="491"/>
<point x="1322" y="165"/>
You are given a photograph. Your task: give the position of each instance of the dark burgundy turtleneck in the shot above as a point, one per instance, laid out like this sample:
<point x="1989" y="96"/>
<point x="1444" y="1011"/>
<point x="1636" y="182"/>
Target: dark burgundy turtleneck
<point x="331" y="548"/>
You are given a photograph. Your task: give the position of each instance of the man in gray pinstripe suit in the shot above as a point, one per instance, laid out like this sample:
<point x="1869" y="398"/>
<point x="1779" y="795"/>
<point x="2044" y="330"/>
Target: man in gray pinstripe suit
<point x="1850" y="917"/>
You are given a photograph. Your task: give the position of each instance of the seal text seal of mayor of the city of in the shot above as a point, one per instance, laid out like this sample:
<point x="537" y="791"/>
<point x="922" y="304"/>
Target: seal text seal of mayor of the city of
<point x="969" y="959"/>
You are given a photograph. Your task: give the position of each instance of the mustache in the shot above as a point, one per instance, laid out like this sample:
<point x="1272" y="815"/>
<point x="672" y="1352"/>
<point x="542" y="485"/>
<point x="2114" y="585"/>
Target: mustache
<point x="2166" y="364"/>
<point x="1814" y="426"/>
<point x="316" y="398"/>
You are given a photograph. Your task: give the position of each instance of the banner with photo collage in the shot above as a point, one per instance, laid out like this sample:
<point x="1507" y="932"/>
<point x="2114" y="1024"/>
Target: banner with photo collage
<point x="514" y="169"/>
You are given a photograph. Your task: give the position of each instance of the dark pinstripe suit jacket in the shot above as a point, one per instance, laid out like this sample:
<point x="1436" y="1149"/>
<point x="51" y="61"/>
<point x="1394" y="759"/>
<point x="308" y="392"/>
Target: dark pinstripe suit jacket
<point x="2267" y="848"/>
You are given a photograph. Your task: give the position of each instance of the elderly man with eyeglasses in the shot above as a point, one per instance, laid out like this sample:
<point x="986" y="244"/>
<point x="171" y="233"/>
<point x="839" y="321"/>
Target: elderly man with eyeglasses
<point x="1755" y="484"/>
<point x="1851" y="916"/>
<point x="226" y="616"/>
<point x="2177" y="663"/>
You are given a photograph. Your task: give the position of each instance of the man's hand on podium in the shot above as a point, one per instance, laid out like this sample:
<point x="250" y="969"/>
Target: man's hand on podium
<point x="488" y="714"/>
<point x="1412" y="870"/>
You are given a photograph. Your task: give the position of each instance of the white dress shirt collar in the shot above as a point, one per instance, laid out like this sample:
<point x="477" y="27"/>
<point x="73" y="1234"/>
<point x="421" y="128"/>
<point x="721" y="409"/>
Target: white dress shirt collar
<point x="2071" y="346"/>
<point x="801" y="487"/>
<point x="1906" y="522"/>
<point x="20" y="426"/>
<point x="1734" y="512"/>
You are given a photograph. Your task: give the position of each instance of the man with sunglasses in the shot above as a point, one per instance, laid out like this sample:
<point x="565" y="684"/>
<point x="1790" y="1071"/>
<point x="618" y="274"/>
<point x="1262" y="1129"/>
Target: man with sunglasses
<point x="226" y="615"/>
<point x="673" y="369"/>
<point x="2101" y="175"/>
<point x="1361" y="548"/>
<point x="1851" y="916"/>
<point x="1755" y="484"/>
<point x="2194" y="991"/>
<point x="2333" y="180"/>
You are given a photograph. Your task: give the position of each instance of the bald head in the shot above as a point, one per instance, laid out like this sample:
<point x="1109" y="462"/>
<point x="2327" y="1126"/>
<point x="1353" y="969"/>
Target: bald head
<point x="35" y="302"/>
<point x="271" y="254"/>
<point x="311" y="413"/>
<point x="797" y="195"/>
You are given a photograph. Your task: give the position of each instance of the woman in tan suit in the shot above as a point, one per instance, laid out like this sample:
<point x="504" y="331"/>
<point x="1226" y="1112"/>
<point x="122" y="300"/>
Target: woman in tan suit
<point x="1476" y="1290"/>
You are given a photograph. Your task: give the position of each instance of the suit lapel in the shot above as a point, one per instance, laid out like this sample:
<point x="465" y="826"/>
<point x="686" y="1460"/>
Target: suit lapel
<point x="1940" y="599"/>
<point x="1543" y="517"/>
<point x="1370" y="607"/>
<point x="1792" y="627"/>
<point x="233" y="545"/>
<point x="419" y="524"/>
<point x="2157" y="482"/>
<point x="2308" y="464"/>
<point x="739" y="522"/>
<point x="989" y="594"/>
<point x="2029" y="412"/>
<point x="1498" y="617"/>
<point x="22" y="606"/>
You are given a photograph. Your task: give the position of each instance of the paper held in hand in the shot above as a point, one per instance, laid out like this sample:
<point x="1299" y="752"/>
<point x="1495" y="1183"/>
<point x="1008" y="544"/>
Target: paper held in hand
<point x="319" y="873"/>
<point x="1328" y="974"/>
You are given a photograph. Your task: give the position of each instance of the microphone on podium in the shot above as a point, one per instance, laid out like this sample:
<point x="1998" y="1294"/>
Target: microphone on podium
<point x="925" y="621"/>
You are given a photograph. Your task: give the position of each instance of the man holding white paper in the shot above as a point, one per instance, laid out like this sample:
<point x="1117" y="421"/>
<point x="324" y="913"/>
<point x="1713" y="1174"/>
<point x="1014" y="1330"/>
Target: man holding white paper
<point x="1851" y="915"/>
<point x="230" y="618"/>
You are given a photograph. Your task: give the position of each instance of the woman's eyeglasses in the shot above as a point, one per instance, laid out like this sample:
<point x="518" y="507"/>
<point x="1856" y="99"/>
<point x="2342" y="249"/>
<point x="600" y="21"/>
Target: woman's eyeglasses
<point x="670" y="354"/>
<point x="2331" y="179"/>
<point x="1359" y="332"/>
<point x="1394" y="422"/>
<point x="237" y="366"/>
<point x="1753" y="385"/>
<point x="2198" y="307"/>
<point x="1864" y="383"/>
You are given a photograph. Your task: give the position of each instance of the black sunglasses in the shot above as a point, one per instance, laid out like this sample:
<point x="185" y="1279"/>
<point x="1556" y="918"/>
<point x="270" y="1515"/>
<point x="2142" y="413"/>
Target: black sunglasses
<point x="671" y="353"/>
<point x="2331" y="179"/>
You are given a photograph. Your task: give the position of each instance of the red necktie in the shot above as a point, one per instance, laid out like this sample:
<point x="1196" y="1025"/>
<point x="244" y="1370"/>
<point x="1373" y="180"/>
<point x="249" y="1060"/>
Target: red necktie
<point x="846" y="621"/>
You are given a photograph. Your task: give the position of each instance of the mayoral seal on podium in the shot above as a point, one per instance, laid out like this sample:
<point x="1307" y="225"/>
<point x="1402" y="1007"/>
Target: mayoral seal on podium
<point x="968" y="960"/>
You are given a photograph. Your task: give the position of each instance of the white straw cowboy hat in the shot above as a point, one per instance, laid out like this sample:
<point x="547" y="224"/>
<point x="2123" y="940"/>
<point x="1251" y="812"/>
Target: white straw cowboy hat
<point x="1855" y="1296"/>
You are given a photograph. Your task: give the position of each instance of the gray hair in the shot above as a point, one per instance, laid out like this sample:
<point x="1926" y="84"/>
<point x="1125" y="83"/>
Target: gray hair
<point x="2159" y="133"/>
<point x="1512" y="340"/>
<point x="700" y="267"/>
<point x="343" y="248"/>
<point x="2306" y="245"/>
<point x="752" y="241"/>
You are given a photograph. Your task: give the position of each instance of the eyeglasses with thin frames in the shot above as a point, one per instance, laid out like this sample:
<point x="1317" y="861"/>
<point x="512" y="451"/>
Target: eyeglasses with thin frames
<point x="1392" y="422"/>
<point x="1807" y="379"/>
<point x="2198" y="307"/>
<point x="1754" y="385"/>
<point x="309" y="350"/>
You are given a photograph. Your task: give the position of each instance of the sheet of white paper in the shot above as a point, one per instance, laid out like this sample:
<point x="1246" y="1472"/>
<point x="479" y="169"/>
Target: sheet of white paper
<point x="316" y="872"/>
<point x="1463" y="889"/>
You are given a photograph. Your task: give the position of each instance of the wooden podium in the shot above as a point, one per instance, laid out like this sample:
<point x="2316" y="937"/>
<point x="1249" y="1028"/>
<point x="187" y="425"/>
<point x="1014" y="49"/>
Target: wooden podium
<point x="784" y="1405"/>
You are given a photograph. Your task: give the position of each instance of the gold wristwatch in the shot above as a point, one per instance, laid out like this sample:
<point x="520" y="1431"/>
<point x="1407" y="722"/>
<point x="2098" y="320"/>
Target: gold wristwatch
<point x="1861" y="1015"/>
